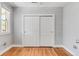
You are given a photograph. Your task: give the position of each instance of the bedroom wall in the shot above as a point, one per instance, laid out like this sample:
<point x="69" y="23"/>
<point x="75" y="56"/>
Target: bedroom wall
<point x="6" y="38"/>
<point x="71" y="27"/>
<point x="18" y="17"/>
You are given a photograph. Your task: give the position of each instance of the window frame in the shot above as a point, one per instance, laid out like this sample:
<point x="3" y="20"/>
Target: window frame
<point x="8" y="24"/>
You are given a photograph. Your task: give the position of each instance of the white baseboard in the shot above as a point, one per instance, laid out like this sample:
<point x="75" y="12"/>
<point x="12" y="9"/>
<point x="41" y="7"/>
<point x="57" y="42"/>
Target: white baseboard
<point x="6" y="50"/>
<point x="22" y="46"/>
<point x="35" y="46"/>
<point x="17" y="46"/>
<point x="69" y="50"/>
<point x="58" y="46"/>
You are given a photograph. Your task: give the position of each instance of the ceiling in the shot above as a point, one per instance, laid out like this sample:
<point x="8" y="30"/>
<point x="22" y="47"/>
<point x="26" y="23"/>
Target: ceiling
<point x="38" y="4"/>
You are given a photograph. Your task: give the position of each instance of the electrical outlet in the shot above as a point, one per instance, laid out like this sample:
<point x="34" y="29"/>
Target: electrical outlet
<point x="77" y="41"/>
<point x="4" y="44"/>
<point x="75" y="47"/>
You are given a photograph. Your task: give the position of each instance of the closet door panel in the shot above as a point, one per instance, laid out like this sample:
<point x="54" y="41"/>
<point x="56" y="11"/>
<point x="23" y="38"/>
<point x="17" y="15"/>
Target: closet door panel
<point x="46" y="31"/>
<point x="31" y="31"/>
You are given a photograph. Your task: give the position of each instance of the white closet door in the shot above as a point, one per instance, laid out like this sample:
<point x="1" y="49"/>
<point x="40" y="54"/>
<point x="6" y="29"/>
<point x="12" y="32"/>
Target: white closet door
<point x="46" y="31"/>
<point x="31" y="31"/>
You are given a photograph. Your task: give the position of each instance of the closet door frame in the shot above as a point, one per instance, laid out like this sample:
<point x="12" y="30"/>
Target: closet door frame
<point x="53" y="15"/>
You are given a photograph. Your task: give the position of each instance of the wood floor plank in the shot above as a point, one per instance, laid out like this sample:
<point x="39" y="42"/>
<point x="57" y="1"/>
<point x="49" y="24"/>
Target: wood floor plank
<point x="38" y="51"/>
<point x="62" y="52"/>
<point x="53" y="53"/>
<point x="10" y="52"/>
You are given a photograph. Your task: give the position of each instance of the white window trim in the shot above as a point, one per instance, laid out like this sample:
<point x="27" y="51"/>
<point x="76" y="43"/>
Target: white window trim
<point x="9" y="31"/>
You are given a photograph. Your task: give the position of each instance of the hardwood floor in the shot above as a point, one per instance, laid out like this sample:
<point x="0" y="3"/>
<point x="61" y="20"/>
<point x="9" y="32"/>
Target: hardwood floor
<point x="30" y="51"/>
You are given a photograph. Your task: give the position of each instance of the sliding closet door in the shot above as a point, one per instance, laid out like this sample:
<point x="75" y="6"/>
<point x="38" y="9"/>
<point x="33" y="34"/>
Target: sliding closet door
<point x="31" y="31"/>
<point x="46" y="31"/>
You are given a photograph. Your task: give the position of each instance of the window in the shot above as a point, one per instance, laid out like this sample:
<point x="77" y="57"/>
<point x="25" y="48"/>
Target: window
<point x="4" y="21"/>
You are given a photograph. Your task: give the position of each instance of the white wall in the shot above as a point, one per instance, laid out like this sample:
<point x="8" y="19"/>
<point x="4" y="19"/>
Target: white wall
<point x="19" y="12"/>
<point x="6" y="38"/>
<point x="71" y="26"/>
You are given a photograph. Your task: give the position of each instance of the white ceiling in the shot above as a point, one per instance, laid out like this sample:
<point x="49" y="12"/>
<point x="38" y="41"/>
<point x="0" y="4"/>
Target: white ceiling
<point x="38" y="4"/>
